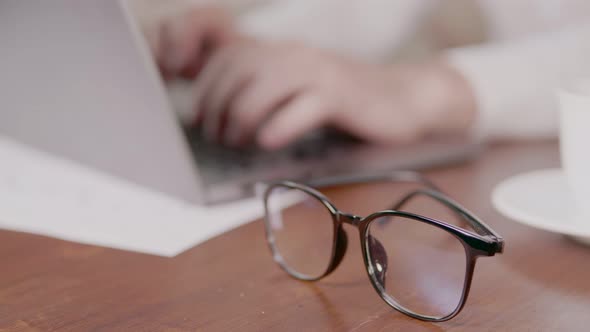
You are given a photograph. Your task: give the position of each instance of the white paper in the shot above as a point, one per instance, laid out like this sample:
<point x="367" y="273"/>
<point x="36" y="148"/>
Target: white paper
<point x="43" y="194"/>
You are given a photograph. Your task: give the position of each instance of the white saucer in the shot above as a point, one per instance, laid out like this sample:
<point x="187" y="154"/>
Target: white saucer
<point x="542" y="199"/>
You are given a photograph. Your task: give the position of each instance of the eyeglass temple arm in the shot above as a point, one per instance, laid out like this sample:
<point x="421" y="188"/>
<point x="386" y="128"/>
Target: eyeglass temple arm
<point x="400" y="204"/>
<point x="479" y="226"/>
<point x="395" y="176"/>
<point x="409" y="176"/>
<point x="434" y="192"/>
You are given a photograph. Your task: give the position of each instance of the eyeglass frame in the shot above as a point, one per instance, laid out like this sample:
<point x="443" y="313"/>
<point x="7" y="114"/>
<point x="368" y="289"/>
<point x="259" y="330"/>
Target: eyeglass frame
<point x="483" y="242"/>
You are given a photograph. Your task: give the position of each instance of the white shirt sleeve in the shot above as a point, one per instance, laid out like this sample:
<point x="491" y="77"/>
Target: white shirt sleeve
<point x="366" y="29"/>
<point x="515" y="82"/>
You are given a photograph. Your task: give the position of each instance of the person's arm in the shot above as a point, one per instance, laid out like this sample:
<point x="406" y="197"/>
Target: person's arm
<point x="274" y="93"/>
<point x="181" y="32"/>
<point x="365" y="29"/>
<point x="514" y="82"/>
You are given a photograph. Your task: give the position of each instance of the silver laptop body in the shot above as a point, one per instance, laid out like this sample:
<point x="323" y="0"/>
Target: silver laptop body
<point x="77" y="80"/>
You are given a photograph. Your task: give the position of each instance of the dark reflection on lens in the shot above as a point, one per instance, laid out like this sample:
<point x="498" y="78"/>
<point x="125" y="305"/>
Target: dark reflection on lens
<point x="425" y="265"/>
<point x="302" y="230"/>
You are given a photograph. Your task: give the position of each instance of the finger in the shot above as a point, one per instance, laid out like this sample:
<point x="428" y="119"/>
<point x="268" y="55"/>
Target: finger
<point x="252" y="104"/>
<point x="379" y="125"/>
<point x="301" y="115"/>
<point x="213" y="28"/>
<point x="182" y="41"/>
<point x="207" y="80"/>
<point x="239" y="72"/>
<point x="216" y="22"/>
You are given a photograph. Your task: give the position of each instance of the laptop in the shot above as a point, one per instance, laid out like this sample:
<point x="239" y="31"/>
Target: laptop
<point x="77" y="80"/>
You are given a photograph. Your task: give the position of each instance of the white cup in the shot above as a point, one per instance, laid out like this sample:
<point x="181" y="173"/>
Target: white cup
<point x="574" y="139"/>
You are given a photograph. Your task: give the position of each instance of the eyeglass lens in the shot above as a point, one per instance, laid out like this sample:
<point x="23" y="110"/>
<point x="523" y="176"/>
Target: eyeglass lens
<point x="302" y="231"/>
<point x="424" y="266"/>
<point x="417" y="266"/>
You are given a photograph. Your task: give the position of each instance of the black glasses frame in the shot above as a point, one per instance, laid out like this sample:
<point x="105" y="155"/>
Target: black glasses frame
<point x="483" y="242"/>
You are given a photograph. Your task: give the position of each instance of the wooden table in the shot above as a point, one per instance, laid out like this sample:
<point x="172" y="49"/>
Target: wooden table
<point x="540" y="283"/>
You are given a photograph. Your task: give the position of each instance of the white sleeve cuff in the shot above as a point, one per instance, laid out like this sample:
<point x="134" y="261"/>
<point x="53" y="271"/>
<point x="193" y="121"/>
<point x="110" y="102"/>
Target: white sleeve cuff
<point x="514" y="83"/>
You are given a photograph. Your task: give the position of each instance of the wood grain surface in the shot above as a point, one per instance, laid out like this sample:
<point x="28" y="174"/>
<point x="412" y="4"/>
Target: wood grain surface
<point x="230" y="283"/>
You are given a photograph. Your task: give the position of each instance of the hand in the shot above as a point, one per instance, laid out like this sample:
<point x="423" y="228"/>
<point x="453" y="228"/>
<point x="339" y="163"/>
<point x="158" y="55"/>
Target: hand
<point x="181" y="43"/>
<point x="275" y="93"/>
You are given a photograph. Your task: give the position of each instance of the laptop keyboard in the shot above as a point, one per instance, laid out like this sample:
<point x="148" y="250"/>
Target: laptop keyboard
<point x="220" y="162"/>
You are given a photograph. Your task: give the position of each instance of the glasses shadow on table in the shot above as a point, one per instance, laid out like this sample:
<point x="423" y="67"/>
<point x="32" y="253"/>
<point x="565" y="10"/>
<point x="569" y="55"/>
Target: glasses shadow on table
<point x="554" y="261"/>
<point x="338" y="317"/>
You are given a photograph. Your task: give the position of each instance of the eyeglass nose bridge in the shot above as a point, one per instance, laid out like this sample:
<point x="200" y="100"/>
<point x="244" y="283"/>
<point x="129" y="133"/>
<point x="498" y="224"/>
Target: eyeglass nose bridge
<point x="349" y="218"/>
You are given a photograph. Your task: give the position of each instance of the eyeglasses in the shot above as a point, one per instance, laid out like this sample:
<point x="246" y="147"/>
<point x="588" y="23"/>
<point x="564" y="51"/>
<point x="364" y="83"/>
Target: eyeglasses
<point x="418" y="265"/>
